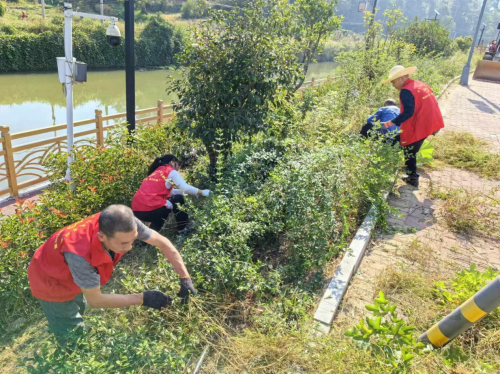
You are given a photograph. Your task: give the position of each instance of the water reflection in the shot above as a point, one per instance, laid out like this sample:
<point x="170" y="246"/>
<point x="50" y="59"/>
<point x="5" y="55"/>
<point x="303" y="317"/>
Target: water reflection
<point x="30" y="101"/>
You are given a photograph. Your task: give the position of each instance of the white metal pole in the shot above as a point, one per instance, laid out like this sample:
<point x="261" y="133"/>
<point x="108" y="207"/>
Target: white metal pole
<point x="102" y="9"/>
<point x="68" y="52"/>
<point x="43" y="8"/>
<point x="464" y="79"/>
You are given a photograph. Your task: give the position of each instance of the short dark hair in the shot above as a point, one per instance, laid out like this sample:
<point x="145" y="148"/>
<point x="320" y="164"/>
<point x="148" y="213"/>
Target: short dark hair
<point x="116" y="218"/>
<point x="390" y="102"/>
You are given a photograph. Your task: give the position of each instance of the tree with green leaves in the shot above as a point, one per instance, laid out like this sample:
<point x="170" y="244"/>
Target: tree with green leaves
<point x="428" y="37"/>
<point x="239" y="61"/>
<point x="314" y="23"/>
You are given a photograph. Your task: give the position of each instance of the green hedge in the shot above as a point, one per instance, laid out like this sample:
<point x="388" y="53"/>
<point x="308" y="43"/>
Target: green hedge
<point x="23" y="51"/>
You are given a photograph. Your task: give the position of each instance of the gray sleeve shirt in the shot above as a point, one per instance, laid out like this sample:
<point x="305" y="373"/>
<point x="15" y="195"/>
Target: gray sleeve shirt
<point x="84" y="274"/>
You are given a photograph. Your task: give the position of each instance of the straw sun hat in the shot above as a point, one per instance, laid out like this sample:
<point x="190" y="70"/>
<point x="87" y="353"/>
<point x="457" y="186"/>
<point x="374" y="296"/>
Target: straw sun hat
<point x="399" y="71"/>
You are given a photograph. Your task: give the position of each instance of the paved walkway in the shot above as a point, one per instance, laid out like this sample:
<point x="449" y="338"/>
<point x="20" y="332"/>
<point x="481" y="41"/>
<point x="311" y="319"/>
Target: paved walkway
<point x="475" y="109"/>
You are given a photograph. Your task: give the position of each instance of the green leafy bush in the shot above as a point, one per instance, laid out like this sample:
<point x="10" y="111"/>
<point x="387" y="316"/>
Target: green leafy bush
<point x="158" y="44"/>
<point x="296" y="215"/>
<point x="387" y="336"/>
<point x="8" y="29"/>
<point x="429" y="38"/>
<point x="465" y="285"/>
<point x="194" y="9"/>
<point x="464" y="43"/>
<point x="35" y="47"/>
<point x="2" y="9"/>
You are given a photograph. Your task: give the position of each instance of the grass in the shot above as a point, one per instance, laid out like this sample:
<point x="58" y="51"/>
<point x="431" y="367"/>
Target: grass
<point x="470" y="212"/>
<point x="463" y="150"/>
<point x="177" y="20"/>
<point x="14" y="11"/>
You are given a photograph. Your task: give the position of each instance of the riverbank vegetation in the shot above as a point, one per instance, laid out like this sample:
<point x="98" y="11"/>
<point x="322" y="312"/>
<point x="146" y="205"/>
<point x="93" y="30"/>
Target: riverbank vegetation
<point x="292" y="185"/>
<point x="34" y="46"/>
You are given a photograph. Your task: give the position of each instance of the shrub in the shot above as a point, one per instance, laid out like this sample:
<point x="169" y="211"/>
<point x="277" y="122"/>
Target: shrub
<point x="8" y="29"/>
<point x="194" y="9"/>
<point x="44" y="41"/>
<point x="158" y="44"/>
<point x="386" y="336"/>
<point x="428" y="38"/>
<point x="464" y="43"/>
<point x="296" y="216"/>
<point x="2" y="9"/>
<point x="465" y="285"/>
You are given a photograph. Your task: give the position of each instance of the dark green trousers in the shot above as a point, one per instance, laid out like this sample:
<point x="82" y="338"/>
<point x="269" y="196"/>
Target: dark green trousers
<point x="65" y="316"/>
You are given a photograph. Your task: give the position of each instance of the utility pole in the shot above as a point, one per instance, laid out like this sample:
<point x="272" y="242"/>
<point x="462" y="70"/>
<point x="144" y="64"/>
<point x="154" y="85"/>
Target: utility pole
<point x="68" y="85"/>
<point x="464" y="79"/>
<point x="101" y="6"/>
<point x="481" y="37"/>
<point x="130" y="64"/>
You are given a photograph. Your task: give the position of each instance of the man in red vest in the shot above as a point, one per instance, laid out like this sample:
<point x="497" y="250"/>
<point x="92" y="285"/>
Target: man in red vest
<point x="420" y="116"/>
<point x="68" y="270"/>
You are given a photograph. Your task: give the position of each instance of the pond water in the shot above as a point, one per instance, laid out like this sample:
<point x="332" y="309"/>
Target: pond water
<point x="31" y="101"/>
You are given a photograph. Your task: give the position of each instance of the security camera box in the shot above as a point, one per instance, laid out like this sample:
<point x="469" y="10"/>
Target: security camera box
<point x="80" y="72"/>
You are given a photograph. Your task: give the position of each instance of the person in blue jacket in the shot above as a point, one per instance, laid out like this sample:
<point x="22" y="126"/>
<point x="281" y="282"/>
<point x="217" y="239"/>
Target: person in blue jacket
<point x="383" y="115"/>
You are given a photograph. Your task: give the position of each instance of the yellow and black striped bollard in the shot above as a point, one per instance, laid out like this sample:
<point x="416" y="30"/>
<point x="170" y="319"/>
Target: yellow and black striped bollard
<point x="483" y="302"/>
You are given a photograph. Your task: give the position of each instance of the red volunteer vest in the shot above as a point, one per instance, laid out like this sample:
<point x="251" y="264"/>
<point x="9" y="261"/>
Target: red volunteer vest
<point x="427" y="117"/>
<point x="49" y="275"/>
<point x="153" y="193"/>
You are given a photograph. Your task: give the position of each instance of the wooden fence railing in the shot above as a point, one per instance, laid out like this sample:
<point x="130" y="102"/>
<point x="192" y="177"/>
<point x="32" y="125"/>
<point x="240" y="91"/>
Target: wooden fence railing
<point x="21" y="161"/>
<point x="24" y="160"/>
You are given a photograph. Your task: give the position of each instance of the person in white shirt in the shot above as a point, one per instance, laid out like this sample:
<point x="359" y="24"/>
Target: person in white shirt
<point x="157" y="197"/>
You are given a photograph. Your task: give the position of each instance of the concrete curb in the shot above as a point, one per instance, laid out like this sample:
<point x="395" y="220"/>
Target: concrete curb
<point x="330" y="302"/>
<point x="337" y="288"/>
<point x="450" y="82"/>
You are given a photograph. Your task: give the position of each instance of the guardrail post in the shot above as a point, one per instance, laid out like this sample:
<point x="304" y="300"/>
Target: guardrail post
<point x="9" y="160"/>
<point x="486" y="300"/>
<point x="160" y="111"/>
<point x="99" y="127"/>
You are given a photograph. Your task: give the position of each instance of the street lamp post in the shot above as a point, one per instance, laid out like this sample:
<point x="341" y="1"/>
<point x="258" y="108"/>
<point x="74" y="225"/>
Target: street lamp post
<point x="464" y="79"/>
<point x="481" y="37"/>
<point x="130" y="64"/>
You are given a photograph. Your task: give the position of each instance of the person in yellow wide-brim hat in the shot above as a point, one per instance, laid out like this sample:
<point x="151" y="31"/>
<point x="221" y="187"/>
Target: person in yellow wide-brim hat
<point x="420" y="116"/>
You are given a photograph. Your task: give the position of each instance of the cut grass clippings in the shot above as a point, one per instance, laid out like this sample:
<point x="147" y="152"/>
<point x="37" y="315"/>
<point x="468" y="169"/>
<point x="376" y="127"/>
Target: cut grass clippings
<point x="463" y="150"/>
<point x="470" y="212"/>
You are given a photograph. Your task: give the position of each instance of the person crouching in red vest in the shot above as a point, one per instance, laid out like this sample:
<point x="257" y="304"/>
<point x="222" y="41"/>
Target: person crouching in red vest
<point x="420" y="116"/>
<point x="68" y="270"/>
<point x="157" y="197"/>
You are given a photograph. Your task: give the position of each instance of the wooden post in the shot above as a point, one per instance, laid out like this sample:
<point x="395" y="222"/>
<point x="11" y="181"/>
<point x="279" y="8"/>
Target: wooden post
<point x="160" y="111"/>
<point x="99" y="127"/>
<point x="9" y="160"/>
<point x="312" y="81"/>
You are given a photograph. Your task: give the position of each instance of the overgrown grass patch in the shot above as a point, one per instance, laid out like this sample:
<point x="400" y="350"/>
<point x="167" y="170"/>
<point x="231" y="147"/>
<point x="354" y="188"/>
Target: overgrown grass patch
<point x="470" y="212"/>
<point x="463" y="150"/>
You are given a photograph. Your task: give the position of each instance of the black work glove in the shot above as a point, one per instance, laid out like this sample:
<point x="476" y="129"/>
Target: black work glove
<point x="156" y="300"/>
<point x="186" y="288"/>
